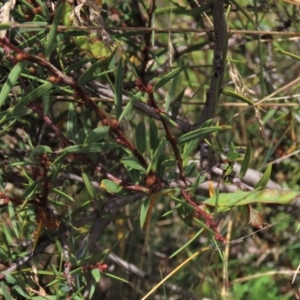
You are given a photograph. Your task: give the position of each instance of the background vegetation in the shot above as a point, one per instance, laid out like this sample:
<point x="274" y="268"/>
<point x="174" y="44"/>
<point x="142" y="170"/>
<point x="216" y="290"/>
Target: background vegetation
<point x="99" y="124"/>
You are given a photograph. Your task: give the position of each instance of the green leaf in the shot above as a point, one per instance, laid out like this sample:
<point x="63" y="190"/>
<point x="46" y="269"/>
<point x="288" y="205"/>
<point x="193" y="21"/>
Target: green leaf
<point x="12" y="216"/>
<point x="177" y="104"/>
<point x="71" y="123"/>
<point x="96" y="274"/>
<point x="132" y="162"/>
<point x="190" y="169"/>
<point x="46" y="103"/>
<point x="4" y="26"/>
<point x="167" y="78"/>
<point x="172" y="91"/>
<point x="5" y="291"/>
<point x="119" y="89"/>
<point x="268" y="196"/>
<point x="51" y="43"/>
<point x="229" y="169"/>
<point x="292" y="55"/>
<point x="10" y="279"/>
<point x="10" y="81"/>
<point x="110" y="186"/>
<point x="38" y="92"/>
<point x="88" y="185"/>
<point x="169" y="163"/>
<point x="140" y="136"/>
<point x="200" y="133"/>
<point x="144" y="211"/>
<point x="31" y="189"/>
<point x="160" y="168"/>
<point x="45" y="10"/>
<point x="246" y="161"/>
<point x="62" y="194"/>
<point x="128" y="108"/>
<point x="88" y="75"/>
<point x="197" y="11"/>
<point x="159" y="150"/>
<point x="97" y="147"/>
<point x="236" y="3"/>
<point x="190" y="147"/>
<point x="200" y="179"/>
<point x="153" y="134"/>
<point x="190" y="241"/>
<point x="78" y="64"/>
<point x="2" y="186"/>
<point x="96" y="135"/>
<point x="41" y="149"/>
<point x="232" y="154"/>
<point x="238" y="97"/>
<point x="10" y="114"/>
<point x="263" y="181"/>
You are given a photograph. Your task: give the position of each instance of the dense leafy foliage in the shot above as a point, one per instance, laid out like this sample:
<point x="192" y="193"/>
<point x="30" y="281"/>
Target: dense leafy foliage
<point x="102" y="188"/>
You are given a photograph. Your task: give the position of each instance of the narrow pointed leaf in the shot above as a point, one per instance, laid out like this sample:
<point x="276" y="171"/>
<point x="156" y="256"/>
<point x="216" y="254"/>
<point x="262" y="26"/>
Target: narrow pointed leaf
<point x="97" y="147"/>
<point x="200" y="133"/>
<point x="144" y="211"/>
<point x="140" y="136"/>
<point x="268" y="196"/>
<point x="88" y="184"/>
<point x="51" y="43"/>
<point x="238" y="97"/>
<point x="153" y="134"/>
<point x="72" y="123"/>
<point x="168" y="77"/>
<point x="172" y="91"/>
<point x="119" y="89"/>
<point x="246" y="161"/>
<point x="128" y="108"/>
<point x="263" y="181"/>
<point x="88" y="75"/>
<point x="10" y="81"/>
<point x="160" y="149"/>
<point x="177" y="104"/>
<point x="132" y="162"/>
<point x="96" y="135"/>
<point x="232" y="154"/>
<point x="38" y="92"/>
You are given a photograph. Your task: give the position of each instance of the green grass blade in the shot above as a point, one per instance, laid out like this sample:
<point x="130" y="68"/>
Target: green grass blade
<point x="119" y="89"/>
<point x="51" y="43"/>
<point x="246" y="161"/>
<point x="140" y="136"/>
<point x="10" y="81"/>
<point x="72" y="123"/>
<point x="261" y="184"/>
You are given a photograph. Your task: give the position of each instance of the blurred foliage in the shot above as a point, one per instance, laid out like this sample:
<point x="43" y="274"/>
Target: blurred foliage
<point x="64" y="158"/>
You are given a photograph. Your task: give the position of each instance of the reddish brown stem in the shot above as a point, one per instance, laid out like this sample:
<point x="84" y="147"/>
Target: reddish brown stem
<point x="210" y="223"/>
<point x="61" y="77"/>
<point x="85" y="160"/>
<point x="172" y="140"/>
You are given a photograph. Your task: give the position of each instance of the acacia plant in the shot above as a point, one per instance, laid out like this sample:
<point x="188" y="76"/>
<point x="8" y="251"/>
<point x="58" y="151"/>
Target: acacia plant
<point x="137" y="136"/>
